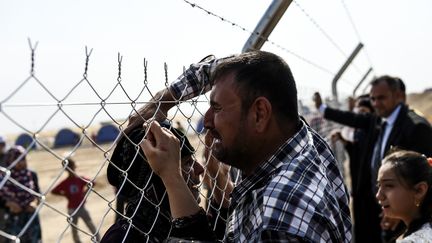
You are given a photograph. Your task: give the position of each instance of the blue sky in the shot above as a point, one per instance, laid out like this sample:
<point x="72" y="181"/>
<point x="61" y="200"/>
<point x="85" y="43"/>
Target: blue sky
<point x="396" y="34"/>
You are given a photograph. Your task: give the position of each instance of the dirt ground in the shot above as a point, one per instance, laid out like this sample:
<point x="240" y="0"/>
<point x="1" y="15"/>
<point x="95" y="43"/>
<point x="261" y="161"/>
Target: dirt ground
<point x="421" y="102"/>
<point x="53" y="215"/>
<point x="91" y="163"/>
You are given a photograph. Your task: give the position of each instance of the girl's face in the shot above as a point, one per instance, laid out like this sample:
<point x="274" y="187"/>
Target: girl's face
<point x="395" y="198"/>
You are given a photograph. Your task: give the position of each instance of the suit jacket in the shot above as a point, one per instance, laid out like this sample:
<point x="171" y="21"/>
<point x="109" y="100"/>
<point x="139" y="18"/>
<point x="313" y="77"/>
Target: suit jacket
<point x="410" y="131"/>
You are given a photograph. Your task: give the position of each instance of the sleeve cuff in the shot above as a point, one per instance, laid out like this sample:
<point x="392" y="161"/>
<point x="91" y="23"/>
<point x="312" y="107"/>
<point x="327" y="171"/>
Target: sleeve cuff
<point x="322" y="108"/>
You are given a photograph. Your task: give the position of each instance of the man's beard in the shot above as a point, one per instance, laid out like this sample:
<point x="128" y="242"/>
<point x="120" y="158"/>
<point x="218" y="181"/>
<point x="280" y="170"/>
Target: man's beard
<point x="237" y="153"/>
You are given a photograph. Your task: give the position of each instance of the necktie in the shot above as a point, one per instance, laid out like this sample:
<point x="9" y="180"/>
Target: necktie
<point x="377" y="156"/>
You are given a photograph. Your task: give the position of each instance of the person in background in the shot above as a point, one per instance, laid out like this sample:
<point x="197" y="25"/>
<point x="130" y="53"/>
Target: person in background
<point x="2" y="202"/>
<point x="291" y="189"/>
<point x="392" y="125"/>
<point x="20" y="204"/>
<point x="74" y="188"/>
<point x="404" y="192"/>
<point x="356" y="149"/>
<point x="2" y="151"/>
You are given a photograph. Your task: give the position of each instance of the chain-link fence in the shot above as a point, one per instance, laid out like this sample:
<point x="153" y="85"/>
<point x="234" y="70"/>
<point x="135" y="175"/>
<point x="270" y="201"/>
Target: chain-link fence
<point x="54" y="183"/>
<point x="71" y="171"/>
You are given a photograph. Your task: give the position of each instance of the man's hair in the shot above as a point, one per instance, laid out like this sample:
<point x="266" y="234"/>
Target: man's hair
<point x="259" y="73"/>
<point x="395" y="84"/>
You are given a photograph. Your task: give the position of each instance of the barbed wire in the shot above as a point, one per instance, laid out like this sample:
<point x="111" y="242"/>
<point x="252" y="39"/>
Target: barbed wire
<point x="329" y="38"/>
<point x="320" y="29"/>
<point x="351" y="19"/>
<point x="326" y="70"/>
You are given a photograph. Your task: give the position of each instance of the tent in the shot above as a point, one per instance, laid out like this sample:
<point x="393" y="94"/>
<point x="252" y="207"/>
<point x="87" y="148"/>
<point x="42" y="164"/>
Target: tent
<point x="200" y="126"/>
<point x="66" y="137"/>
<point x="107" y="133"/>
<point x="25" y="140"/>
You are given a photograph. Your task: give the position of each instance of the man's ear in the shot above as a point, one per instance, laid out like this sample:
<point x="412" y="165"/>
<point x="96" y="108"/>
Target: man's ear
<point x="262" y="112"/>
<point x="399" y="96"/>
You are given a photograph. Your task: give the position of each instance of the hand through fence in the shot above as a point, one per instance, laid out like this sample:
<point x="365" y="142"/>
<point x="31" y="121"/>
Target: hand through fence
<point x="157" y="108"/>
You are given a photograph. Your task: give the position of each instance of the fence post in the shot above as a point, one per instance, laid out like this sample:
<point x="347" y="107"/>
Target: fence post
<point x="266" y="25"/>
<point x="362" y="80"/>
<point x="342" y="70"/>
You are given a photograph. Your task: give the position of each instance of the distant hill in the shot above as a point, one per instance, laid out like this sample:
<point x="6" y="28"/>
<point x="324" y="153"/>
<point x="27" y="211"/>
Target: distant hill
<point x="422" y="102"/>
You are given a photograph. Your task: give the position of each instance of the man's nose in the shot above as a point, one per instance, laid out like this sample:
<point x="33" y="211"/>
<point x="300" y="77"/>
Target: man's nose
<point x="208" y="119"/>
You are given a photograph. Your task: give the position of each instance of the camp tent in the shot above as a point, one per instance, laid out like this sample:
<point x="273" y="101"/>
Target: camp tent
<point x="107" y="133"/>
<point x="25" y="140"/>
<point x="66" y="137"/>
<point x="200" y="126"/>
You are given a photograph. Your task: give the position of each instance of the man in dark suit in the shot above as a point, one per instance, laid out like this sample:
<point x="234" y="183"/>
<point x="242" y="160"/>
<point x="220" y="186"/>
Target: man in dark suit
<point x="394" y="125"/>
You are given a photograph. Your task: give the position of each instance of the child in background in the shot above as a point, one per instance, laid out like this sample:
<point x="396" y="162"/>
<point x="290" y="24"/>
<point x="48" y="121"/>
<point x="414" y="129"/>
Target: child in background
<point x="19" y="202"/>
<point x="74" y="188"/>
<point x="404" y="192"/>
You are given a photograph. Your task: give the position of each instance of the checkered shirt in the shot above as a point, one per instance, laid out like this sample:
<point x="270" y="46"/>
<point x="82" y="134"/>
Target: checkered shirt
<point x="298" y="195"/>
<point x="196" y="79"/>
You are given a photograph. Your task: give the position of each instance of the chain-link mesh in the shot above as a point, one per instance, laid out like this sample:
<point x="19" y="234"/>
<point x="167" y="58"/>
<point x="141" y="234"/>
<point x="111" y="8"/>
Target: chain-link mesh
<point x="35" y="197"/>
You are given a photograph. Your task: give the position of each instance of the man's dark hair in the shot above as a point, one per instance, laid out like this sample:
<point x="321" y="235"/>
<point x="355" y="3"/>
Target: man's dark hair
<point x="395" y="84"/>
<point x="259" y="73"/>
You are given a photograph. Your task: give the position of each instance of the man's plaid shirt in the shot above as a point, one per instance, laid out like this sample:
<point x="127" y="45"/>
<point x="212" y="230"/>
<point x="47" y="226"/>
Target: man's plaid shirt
<point x="297" y="195"/>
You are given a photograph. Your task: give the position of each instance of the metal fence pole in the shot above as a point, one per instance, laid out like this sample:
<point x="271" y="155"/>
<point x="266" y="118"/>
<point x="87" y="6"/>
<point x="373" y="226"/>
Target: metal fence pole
<point x="342" y="70"/>
<point x="362" y="80"/>
<point x="266" y="25"/>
